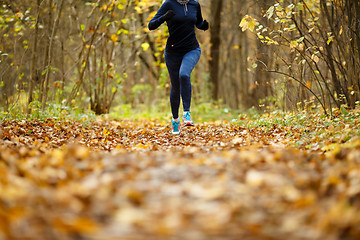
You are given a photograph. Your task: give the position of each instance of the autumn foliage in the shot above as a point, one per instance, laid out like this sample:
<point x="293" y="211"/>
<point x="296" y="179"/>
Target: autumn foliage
<point x="63" y="179"/>
<point x="286" y="168"/>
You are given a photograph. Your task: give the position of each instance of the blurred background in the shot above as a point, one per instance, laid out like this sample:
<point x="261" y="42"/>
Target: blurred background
<point x="99" y="56"/>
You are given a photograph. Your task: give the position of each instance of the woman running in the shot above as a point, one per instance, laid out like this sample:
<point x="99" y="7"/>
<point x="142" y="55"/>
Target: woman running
<point x="182" y="52"/>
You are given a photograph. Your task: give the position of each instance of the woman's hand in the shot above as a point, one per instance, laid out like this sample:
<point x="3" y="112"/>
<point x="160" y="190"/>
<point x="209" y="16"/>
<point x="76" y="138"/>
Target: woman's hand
<point x="168" y="15"/>
<point x="205" y="25"/>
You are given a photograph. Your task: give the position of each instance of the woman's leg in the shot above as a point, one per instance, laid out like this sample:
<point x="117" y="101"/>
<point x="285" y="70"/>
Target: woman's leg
<point x="189" y="61"/>
<point x="173" y="63"/>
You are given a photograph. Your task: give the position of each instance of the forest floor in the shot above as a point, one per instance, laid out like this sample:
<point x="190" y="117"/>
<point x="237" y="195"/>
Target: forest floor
<point x="62" y="179"/>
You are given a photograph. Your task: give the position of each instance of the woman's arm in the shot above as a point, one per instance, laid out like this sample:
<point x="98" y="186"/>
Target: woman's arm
<point x="200" y="23"/>
<point x="158" y="19"/>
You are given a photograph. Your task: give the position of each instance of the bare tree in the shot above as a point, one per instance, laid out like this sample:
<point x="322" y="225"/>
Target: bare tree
<point x="215" y="41"/>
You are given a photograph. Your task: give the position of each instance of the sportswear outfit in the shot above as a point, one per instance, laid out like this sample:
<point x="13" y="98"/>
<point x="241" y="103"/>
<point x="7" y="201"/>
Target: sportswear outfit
<point x="182" y="50"/>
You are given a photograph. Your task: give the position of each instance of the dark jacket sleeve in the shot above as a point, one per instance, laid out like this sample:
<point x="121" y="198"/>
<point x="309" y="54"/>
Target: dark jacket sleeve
<point x="157" y="20"/>
<point x="200" y="21"/>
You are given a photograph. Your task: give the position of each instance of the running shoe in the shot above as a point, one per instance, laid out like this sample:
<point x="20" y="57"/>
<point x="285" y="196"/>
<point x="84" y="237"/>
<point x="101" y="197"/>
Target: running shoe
<point x="175" y="127"/>
<point x="187" y="119"/>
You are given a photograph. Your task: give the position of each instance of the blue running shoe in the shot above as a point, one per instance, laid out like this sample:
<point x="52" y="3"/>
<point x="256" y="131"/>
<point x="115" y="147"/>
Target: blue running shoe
<point x="175" y="127"/>
<point x="187" y="119"/>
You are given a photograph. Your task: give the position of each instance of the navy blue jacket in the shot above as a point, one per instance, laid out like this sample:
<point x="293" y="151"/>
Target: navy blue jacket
<point x="182" y="37"/>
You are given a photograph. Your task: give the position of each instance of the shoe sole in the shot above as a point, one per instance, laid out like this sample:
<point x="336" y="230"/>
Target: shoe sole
<point x="175" y="133"/>
<point x="188" y="124"/>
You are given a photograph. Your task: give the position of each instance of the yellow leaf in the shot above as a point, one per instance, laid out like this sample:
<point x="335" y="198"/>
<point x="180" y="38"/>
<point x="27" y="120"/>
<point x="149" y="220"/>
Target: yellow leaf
<point x="114" y="38"/>
<point x="76" y="225"/>
<point x="106" y="132"/>
<point x="252" y="25"/>
<point x="103" y="8"/>
<point x="244" y="23"/>
<point x="145" y="46"/>
<point x="308" y="84"/>
<point x="138" y="10"/>
<point x="301" y="47"/>
<point x="293" y="44"/>
<point x="316" y="59"/>
<point x="142" y="146"/>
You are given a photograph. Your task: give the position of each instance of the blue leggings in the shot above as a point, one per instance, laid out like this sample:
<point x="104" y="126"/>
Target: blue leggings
<point x="180" y="66"/>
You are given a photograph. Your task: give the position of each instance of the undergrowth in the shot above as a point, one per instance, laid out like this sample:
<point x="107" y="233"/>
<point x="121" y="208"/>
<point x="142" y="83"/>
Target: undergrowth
<point x="53" y="111"/>
<point x="309" y="129"/>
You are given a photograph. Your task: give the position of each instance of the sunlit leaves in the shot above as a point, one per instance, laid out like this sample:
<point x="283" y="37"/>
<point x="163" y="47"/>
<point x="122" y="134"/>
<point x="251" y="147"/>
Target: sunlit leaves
<point x="145" y="5"/>
<point x="300" y="6"/>
<point x="315" y="58"/>
<point x="308" y="84"/>
<point x="248" y="23"/>
<point x="145" y="46"/>
<point x="306" y="30"/>
<point x="330" y="38"/>
<point x="19" y="15"/>
<point x="114" y="38"/>
<point x="120" y="7"/>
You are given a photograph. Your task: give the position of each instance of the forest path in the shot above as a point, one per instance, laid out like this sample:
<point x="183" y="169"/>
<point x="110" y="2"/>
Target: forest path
<point x="134" y="180"/>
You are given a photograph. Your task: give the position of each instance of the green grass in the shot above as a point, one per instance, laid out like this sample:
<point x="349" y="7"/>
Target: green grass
<point x="203" y="112"/>
<point x="307" y="129"/>
<point x="54" y="111"/>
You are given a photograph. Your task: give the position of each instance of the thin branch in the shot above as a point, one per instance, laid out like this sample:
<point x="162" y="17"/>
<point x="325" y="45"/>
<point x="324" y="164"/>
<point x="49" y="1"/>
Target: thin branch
<point x="297" y="80"/>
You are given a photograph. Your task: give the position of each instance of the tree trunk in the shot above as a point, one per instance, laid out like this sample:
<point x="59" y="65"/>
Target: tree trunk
<point x="338" y="87"/>
<point x="85" y="61"/>
<point x="262" y="88"/>
<point x="48" y="66"/>
<point x="46" y="50"/>
<point x="357" y="37"/>
<point x="33" y="58"/>
<point x="215" y="31"/>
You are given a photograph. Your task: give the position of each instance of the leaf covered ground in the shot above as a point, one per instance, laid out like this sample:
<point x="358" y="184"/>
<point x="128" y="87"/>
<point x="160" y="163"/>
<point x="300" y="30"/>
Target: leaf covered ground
<point x="269" y="177"/>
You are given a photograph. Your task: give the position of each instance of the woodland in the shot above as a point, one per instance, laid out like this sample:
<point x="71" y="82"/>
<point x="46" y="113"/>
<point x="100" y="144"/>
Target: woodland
<point x="86" y="150"/>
